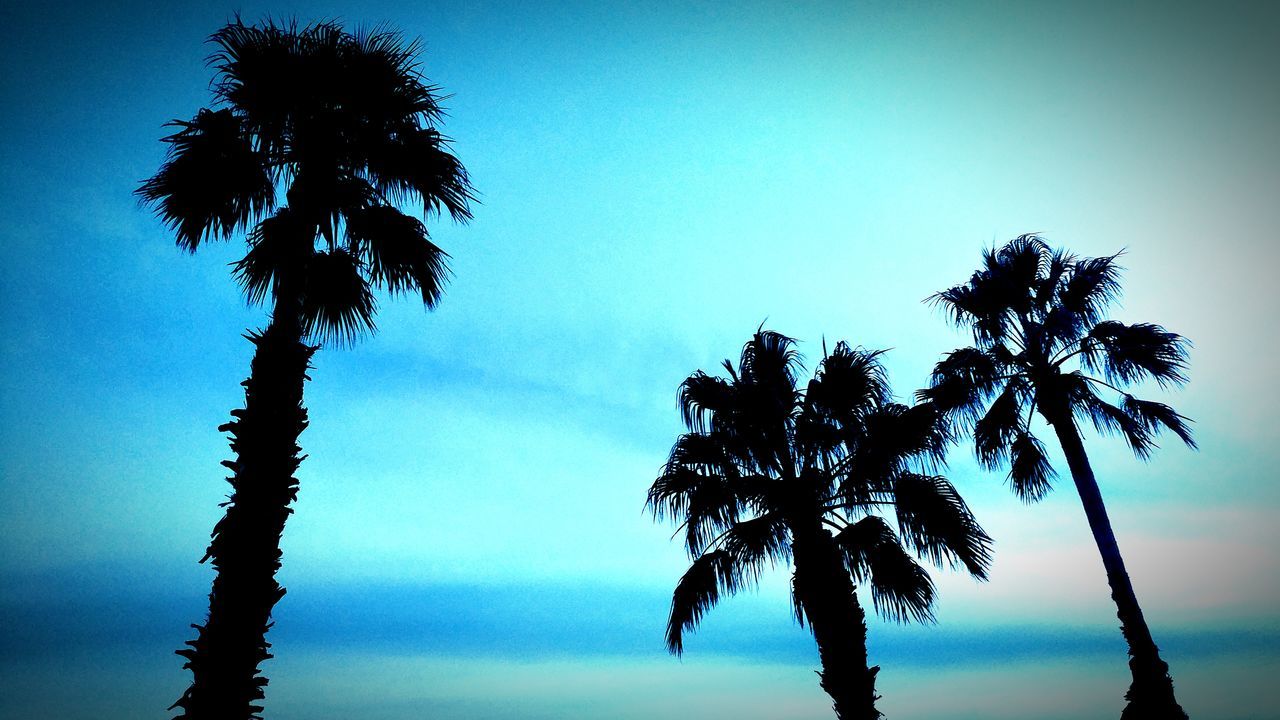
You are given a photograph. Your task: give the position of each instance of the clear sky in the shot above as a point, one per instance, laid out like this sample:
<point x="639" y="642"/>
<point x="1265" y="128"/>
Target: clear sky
<point x="656" y="179"/>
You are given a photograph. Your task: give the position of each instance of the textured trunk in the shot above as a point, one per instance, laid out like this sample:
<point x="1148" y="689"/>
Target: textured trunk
<point x="1151" y="693"/>
<point x="826" y="594"/>
<point x="245" y="550"/>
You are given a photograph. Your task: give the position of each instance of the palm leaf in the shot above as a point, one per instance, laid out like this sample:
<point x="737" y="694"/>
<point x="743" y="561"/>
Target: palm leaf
<point x="1030" y="474"/>
<point x="901" y="590"/>
<point x="1018" y="270"/>
<point x="761" y="538"/>
<point x="934" y="521"/>
<point x="701" y="397"/>
<point x="981" y="305"/>
<point x="993" y="433"/>
<point x="418" y="162"/>
<point x="1089" y="287"/>
<point x="698" y="591"/>
<point x="278" y="244"/>
<point x="337" y="304"/>
<point x="1109" y="419"/>
<point x="212" y="182"/>
<point x="1058" y="263"/>
<point x="849" y="383"/>
<point x="397" y="251"/>
<point x="962" y="382"/>
<point x="1129" y="353"/>
<point x="706" y="501"/>
<point x="1157" y="416"/>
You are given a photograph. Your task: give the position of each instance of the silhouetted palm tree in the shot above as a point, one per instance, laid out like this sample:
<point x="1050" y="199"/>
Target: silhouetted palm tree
<point x="770" y="473"/>
<point x="1033" y="309"/>
<point x="342" y="126"/>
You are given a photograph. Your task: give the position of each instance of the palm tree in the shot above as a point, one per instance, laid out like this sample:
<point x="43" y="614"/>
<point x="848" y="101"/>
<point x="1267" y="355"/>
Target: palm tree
<point x="772" y="474"/>
<point x="342" y="126"/>
<point x="1033" y="310"/>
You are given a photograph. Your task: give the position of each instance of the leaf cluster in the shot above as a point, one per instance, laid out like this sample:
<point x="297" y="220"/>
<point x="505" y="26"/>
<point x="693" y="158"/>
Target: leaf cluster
<point x="316" y="139"/>
<point x="1032" y="311"/>
<point x="764" y="457"/>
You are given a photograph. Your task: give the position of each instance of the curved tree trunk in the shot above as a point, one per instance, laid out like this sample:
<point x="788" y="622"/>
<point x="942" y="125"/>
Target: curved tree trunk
<point x="245" y="549"/>
<point x="827" y="595"/>
<point x="1151" y="693"/>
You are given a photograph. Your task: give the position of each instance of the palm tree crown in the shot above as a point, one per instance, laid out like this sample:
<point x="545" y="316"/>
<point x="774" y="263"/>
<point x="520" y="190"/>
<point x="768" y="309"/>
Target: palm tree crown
<point x="1033" y="310"/>
<point x="340" y="124"/>
<point x="773" y="474"/>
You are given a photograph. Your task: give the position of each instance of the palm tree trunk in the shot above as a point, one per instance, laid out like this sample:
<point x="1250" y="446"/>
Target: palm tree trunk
<point x="245" y="549"/>
<point x="1151" y="693"/>
<point x="828" y="598"/>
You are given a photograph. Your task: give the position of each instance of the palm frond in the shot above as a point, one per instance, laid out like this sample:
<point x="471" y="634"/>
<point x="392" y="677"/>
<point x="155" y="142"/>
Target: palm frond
<point x="849" y="382"/>
<point x="337" y="304"/>
<point x="418" y="162"/>
<point x="895" y="439"/>
<point x="979" y="304"/>
<point x="327" y="197"/>
<point x="901" y="590"/>
<point x="769" y="363"/>
<point x="1157" y="416"/>
<point x="212" y="181"/>
<point x="1130" y="353"/>
<point x="936" y="522"/>
<point x="704" y="451"/>
<point x="701" y="397"/>
<point x="995" y="297"/>
<point x="993" y="433"/>
<point x="279" y="244"/>
<point x="1109" y="419"/>
<point x="706" y="501"/>
<point x="387" y="76"/>
<point x="699" y="590"/>
<point x="673" y="490"/>
<point x="1091" y="285"/>
<point x="1062" y="328"/>
<point x="1030" y="474"/>
<point x="1057" y="264"/>
<point x="1018" y="270"/>
<point x="260" y="71"/>
<point x="818" y="439"/>
<point x="397" y="251"/>
<point x="761" y="538"/>
<point x="918" y="433"/>
<point x="962" y="382"/>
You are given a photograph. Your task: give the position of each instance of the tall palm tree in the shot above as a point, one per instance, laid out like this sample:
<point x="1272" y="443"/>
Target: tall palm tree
<point x="769" y="473"/>
<point x="342" y="127"/>
<point x="1035" y="312"/>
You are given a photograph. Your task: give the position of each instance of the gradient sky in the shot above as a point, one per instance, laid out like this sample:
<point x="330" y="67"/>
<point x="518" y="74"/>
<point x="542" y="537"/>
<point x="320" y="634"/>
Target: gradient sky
<point x="656" y="179"/>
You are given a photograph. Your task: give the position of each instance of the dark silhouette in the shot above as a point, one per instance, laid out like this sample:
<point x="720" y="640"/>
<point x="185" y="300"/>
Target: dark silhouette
<point x="342" y="125"/>
<point x="768" y="471"/>
<point x="1032" y="309"/>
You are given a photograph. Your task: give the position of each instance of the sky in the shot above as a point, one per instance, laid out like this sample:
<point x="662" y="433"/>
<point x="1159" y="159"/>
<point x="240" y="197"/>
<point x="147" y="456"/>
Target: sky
<point x="656" y="180"/>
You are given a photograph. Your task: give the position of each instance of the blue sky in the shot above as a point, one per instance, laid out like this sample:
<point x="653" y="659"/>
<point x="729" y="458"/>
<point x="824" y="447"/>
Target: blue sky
<point x="657" y="179"/>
